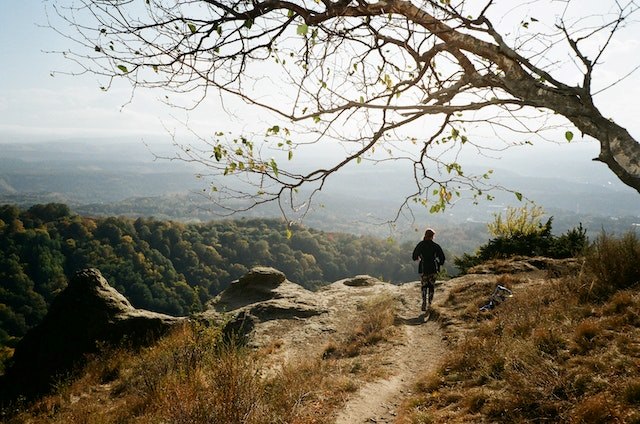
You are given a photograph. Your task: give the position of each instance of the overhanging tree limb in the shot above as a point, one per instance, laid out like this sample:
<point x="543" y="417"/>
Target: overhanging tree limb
<point x="384" y="64"/>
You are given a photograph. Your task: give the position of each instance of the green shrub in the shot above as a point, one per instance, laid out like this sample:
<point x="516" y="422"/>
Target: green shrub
<point x="528" y="243"/>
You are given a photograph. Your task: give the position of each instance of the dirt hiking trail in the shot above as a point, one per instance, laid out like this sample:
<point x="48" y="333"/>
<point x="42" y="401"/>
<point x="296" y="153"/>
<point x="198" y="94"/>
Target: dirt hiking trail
<point x="296" y="323"/>
<point x="420" y="350"/>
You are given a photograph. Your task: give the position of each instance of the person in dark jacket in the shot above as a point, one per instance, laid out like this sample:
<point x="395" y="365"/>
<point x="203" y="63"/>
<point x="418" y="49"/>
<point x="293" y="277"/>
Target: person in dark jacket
<point x="431" y="258"/>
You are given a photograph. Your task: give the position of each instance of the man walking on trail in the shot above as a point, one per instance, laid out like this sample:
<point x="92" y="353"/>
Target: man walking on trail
<point x="431" y="258"/>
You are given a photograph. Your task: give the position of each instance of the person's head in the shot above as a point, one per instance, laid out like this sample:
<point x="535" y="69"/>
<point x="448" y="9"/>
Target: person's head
<point x="428" y="235"/>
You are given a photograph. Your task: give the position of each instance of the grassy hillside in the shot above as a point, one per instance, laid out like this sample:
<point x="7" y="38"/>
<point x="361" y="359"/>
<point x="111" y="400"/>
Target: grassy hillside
<point x="564" y="349"/>
<point x="197" y="375"/>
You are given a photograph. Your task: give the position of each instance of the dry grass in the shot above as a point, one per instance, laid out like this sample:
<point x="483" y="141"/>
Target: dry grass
<point x="554" y="352"/>
<point x="612" y="264"/>
<point x="373" y="325"/>
<point x="195" y="375"/>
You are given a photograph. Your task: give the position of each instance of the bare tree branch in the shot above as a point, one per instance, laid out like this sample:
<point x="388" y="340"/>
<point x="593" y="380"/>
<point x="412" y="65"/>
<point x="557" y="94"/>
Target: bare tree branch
<point x="355" y="72"/>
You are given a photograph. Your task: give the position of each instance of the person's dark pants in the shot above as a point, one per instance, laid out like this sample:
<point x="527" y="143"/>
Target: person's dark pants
<point x="428" y="285"/>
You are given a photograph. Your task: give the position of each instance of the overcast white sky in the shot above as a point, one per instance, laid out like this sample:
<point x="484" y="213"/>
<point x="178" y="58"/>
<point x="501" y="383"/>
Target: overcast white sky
<point x="35" y="105"/>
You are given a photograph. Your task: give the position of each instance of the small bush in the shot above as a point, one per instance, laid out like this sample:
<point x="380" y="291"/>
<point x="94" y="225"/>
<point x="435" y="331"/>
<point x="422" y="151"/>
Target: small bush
<point x="597" y="409"/>
<point x="548" y="341"/>
<point x="586" y="333"/>
<point x="475" y="401"/>
<point x="429" y="383"/>
<point x="522" y="234"/>
<point x="619" y="302"/>
<point x="631" y="393"/>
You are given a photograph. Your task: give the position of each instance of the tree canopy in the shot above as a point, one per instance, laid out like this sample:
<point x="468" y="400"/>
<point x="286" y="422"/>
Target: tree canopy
<point x="386" y="80"/>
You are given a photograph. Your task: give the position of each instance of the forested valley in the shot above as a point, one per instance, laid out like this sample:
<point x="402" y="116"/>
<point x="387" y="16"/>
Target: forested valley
<point x="168" y="266"/>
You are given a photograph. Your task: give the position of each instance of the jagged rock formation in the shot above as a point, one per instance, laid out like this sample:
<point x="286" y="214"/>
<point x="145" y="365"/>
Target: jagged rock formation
<point x="88" y="312"/>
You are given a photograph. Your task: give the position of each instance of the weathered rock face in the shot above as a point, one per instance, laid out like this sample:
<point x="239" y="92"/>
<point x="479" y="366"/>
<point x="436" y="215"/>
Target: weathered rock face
<point x="361" y="281"/>
<point x="264" y="294"/>
<point x="88" y="312"/>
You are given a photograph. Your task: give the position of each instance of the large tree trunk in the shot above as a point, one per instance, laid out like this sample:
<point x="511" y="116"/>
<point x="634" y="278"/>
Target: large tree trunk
<point x="618" y="149"/>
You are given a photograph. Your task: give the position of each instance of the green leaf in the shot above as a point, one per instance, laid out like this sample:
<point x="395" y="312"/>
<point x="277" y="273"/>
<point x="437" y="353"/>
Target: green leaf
<point x="290" y="154"/>
<point x="316" y="118"/>
<point x="274" y="130"/>
<point x="274" y="167"/>
<point x="289" y="234"/>
<point x="303" y="29"/>
<point x="192" y="28"/>
<point x="217" y="152"/>
<point x="290" y="14"/>
<point x="518" y="196"/>
<point x="123" y="69"/>
<point x="248" y="23"/>
<point x="568" y="135"/>
<point x="358" y="159"/>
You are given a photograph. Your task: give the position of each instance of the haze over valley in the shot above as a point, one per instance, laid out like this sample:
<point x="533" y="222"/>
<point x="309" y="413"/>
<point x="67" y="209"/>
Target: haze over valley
<point x="107" y="177"/>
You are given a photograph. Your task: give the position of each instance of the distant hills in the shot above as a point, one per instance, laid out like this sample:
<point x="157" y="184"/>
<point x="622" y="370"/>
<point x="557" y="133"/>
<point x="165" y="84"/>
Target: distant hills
<point x="105" y="177"/>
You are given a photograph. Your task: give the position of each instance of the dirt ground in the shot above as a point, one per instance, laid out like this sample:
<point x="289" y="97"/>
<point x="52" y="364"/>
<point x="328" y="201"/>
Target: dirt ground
<point x="421" y="348"/>
<point x="416" y="347"/>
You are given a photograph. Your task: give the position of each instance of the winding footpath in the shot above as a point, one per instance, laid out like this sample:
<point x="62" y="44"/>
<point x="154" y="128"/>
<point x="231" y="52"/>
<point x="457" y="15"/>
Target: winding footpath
<point x="423" y="347"/>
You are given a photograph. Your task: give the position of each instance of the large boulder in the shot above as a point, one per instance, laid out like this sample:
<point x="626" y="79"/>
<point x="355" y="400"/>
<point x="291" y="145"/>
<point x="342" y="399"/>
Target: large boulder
<point x="88" y="313"/>
<point x="361" y="281"/>
<point x="263" y="294"/>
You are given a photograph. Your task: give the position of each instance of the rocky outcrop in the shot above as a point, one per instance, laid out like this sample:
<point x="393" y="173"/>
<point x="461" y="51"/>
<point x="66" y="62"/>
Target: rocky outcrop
<point x="361" y="281"/>
<point x="264" y="294"/>
<point x="267" y="294"/>
<point x="87" y="313"/>
<point x="523" y="264"/>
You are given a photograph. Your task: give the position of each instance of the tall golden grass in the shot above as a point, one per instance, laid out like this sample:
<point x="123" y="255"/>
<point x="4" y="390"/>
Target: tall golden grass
<point x="194" y="375"/>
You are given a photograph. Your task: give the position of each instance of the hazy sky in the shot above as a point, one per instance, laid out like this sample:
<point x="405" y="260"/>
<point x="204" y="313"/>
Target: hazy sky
<point x="35" y="105"/>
